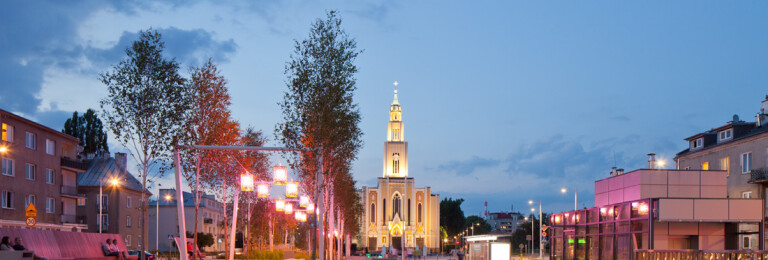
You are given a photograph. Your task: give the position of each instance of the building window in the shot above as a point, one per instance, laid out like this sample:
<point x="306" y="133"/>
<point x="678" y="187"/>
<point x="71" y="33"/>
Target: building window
<point x="104" y="222"/>
<point x="726" y="135"/>
<point x="128" y="202"/>
<point x="81" y="202"/>
<point x="7" y="198"/>
<point x="127" y="240"/>
<point x="128" y="222"/>
<point x="29" y="171"/>
<point x="396" y="206"/>
<point x="384" y="211"/>
<point x="396" y="165"/>
<point x="30" y="140"/>
<point x="418" y="213"/>
<point x="373" y="213"/>
<point x="30" y="199"/>
<point x="7" y="133"/>
<point x="8" y="167"/>
<point x="409" y="211"/>
<point x="695" y="144"/>
<point x="747" y="244"/>
<point x="50" y="147"/>
<point x="724" y="163"/>
<point x="104" y="201"/>
<point x="49" y="205"/>
<point x="49" y="176"/>
<point x="746" y="195"/>
<point x="746" y="162"/>
<point x="705" y="166"/>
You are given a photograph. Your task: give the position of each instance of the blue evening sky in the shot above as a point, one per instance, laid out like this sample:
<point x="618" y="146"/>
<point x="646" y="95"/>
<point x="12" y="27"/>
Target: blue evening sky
<point x="503" y="101"/>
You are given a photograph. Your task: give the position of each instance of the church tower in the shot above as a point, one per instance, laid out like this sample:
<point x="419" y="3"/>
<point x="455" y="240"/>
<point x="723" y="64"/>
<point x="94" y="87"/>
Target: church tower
<point x="395" y="148"/>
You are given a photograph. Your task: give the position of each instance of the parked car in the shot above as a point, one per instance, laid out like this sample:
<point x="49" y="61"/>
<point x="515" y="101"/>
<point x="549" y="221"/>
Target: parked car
<point x="147" y="255"/>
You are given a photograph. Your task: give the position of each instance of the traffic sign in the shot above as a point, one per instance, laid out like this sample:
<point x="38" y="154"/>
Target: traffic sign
<point x="521" y="246"/>
<point x="170" y="237"/>
<point x="31" y="221"/>
<point x="31" y="211"/>
<point x="528" y="237"/>
<point x="544" y="233"/>
<point x="544" y="227"/>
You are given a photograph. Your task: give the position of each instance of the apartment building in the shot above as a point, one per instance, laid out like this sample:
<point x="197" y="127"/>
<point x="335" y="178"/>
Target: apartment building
<point x="210" y="219"/>
<point x="121" y="199"/>
<point x="504" y="222"/>
<point x="739" y="148"/>
<point x="39" y="167"/>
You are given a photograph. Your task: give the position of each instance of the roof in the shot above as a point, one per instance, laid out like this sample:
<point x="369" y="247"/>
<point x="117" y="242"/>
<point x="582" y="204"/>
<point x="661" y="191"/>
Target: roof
<point x="101" y="170"/>
<point x="751" y="132"/>
<point x="51" y="130"/>
<point x="189" y="198"/>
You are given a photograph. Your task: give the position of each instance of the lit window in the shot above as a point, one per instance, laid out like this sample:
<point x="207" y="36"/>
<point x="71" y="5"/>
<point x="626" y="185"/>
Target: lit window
<point x="29" y="171"/>
<point x="396" y="206"/>
<point x="50" y="147"/>
<point x="8" y="167"/>
<point x="7" y="199"/>
<point x="49" y="205"/>
<point x="724" y="163"/>
<point x="81" y="201"/>
<point x="7" y="133"/>
<point x="705" y="166"/>
<point x="30" y="140"/>
<point x="746" y="195"/>
<point x="746" y="162"/>
<point x="49" y="176"/>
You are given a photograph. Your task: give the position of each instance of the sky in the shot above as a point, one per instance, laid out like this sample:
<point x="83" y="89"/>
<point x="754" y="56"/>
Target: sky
<point x="504" y="101"/>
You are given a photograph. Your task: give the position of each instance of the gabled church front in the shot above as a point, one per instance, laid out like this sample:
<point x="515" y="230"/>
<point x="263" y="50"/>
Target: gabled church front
<point x="396" y="213"/>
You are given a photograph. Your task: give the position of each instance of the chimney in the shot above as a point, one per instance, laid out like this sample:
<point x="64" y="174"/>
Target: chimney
<point x="613" y="172"/>
<point x="619" y="171"/>
<point x="121" y="160"/>
<point x="651" y="161"/>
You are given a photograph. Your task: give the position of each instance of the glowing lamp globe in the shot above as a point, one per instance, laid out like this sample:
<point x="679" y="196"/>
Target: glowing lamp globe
<point x="288" y="208"/>
<point x="263" y="190"/>
<point x="246" y="182"/>
<point x="279" y="205"/>
<point x="310" y="207"/>
<point x="303" y="201"/>
<point x="291" y="190"/>
<point x="297" y="215"/>
<point x="281" y="175"/>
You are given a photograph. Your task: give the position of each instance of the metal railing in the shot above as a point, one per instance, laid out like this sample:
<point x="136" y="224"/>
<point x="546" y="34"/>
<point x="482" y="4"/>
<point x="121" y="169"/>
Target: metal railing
<point x="72" y="163"/>
<point x="700" y="255"/>
<point x="65" y="218"/>
<point x="69" y="190"/>
<point x="758" y="175"/>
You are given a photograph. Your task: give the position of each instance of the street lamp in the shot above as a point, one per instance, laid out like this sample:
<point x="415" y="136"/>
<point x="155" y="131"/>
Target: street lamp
<point x="541" y="250"/>
<point x="157" y="221"/>
<point x="114" y="182"/>
<point x="564" y="191"/>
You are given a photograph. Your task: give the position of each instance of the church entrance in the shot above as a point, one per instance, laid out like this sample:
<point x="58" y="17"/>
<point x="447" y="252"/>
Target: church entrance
<point x="397" y="243"/>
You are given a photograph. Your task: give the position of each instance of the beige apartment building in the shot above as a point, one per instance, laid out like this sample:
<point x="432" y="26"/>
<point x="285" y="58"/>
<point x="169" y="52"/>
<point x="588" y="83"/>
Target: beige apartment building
<point x="120" y="211"/>
<point x="39" y="167"/>
<point x="741" y="149"/>
<point x="210" y="219"/>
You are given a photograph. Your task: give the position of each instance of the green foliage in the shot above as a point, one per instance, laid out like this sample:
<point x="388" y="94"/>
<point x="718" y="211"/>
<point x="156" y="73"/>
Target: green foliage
<point x="263" y="254"/>
<point x="451" y="216"/>
<point x="146" y="106"/>
<point x="479" y="224"/>
<point x="89" y="129"/>
<point x="524" y="229"/>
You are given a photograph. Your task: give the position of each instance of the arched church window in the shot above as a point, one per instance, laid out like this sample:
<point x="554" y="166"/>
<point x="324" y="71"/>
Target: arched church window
<point x="396" y="164"/>
<point x="396" y="206"/>
<point x="384" y="210"/>
<point x="373" y="213"/>
<point x="418" y="213"/>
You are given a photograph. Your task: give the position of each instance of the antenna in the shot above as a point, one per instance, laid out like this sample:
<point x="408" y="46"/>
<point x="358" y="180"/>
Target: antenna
<point x="614" y="158"/>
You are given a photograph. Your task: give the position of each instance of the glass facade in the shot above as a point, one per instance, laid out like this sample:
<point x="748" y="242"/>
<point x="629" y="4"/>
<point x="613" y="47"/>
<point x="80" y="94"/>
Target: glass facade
<point x="609" y="232"/>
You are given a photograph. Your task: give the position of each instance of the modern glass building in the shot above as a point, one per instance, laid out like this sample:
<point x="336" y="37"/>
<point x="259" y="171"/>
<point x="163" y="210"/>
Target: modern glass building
<point x="652" y="209"/>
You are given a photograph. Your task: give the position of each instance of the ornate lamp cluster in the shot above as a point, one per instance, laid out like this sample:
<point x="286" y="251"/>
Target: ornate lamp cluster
<point x="280" y="177"/>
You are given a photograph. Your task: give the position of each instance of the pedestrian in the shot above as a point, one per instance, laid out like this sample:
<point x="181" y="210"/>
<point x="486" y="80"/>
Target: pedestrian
<point x="17" y="244"/>
<point x="5" y="244"/>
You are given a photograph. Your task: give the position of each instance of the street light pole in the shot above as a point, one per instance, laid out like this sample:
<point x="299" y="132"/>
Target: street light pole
<point x="575" y="195"/>
<point x="101" y="202"/>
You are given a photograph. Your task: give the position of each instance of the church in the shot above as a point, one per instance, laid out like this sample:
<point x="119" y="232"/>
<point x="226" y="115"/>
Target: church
<point x="396" y="213"/>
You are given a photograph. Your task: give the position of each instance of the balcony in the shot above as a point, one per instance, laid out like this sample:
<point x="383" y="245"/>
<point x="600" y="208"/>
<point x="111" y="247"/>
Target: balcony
<point x="71" y="219"/>
<point x="74" y="164"/>
<point x="70" y="191"/>
<point x="208" y="221"/>
<point x="759" y="175"/>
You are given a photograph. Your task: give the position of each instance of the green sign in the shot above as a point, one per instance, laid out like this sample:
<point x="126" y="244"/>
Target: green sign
<point x="582" y="241"/>
<point x="570" y="241"/>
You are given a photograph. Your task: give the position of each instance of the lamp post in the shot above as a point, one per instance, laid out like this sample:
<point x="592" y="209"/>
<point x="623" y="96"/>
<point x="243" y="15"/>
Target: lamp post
<point x="541" y="250"/>
<point x="114" y="182"/>
<point x="157" y="221"/>
<point x="564" y="191"/>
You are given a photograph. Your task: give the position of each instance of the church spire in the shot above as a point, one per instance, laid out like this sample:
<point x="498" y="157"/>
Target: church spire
<point x="395" y="148"/>
<point x="395" y="103"/>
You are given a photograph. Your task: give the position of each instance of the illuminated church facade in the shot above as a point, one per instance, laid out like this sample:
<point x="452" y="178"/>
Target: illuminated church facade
<point x="397" y="211"/>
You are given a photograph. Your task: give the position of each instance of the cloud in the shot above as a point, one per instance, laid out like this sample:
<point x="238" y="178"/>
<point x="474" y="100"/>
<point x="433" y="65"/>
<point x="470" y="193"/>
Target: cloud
<point x="467" y="167"/>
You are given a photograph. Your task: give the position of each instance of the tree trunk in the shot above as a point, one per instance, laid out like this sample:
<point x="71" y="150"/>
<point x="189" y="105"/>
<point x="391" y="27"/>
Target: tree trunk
<point x="143" y="208"/>
<point x="197" y="199"/>
<point x="224" y="204"/>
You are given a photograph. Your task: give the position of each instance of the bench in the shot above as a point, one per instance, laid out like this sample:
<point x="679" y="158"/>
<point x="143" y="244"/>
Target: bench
<point x="65" y="245"/>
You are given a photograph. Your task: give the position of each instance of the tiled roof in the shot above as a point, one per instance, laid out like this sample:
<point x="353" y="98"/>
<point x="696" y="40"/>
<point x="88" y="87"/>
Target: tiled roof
<point x="752" y="132"/>
<point x="102" y="170"/>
